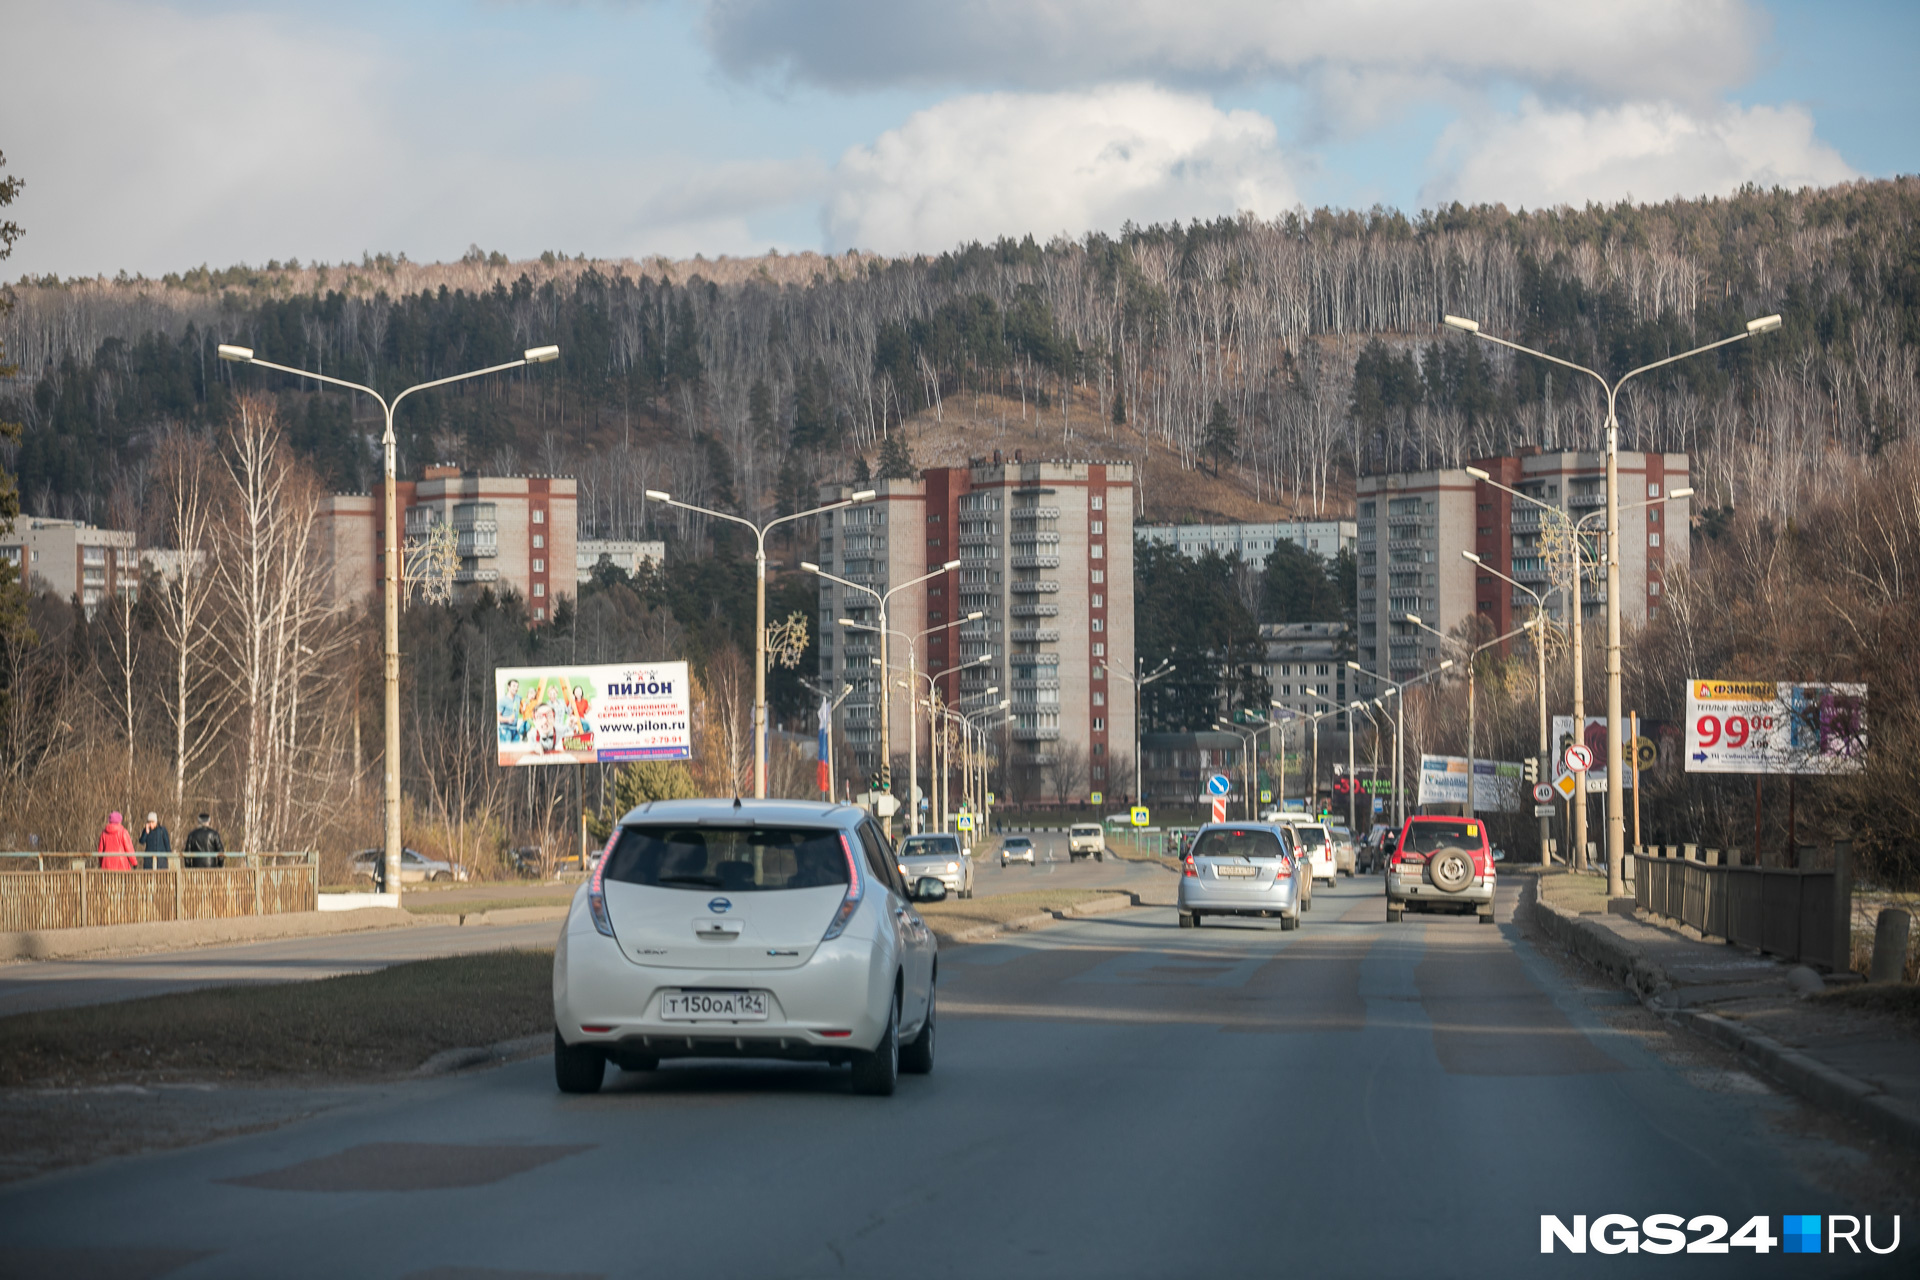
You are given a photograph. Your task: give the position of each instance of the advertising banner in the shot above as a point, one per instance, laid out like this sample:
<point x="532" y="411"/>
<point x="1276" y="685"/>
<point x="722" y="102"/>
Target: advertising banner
<point x="1748" y="726"/>
<point x="1498" y="785"/>
<point x="593" y="715"/>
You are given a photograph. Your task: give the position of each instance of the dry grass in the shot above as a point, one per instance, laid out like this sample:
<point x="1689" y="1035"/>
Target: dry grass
<point x="353" y="1027"/>
<point x="1900" y="1001"/>
<point x="467" y="906"/>
<point x="954" y="914"/>
<point x="1582" y="895"/>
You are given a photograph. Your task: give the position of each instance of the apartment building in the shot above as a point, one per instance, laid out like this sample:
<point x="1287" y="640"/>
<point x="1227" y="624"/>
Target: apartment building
<point x="1046" y="556"/>
<point x="1414" y="525"/>
<point x="620" y="553"/>
<point x="72" y="558"/>
<point x="1253" y="542"/>
<point x="512" y="533"/>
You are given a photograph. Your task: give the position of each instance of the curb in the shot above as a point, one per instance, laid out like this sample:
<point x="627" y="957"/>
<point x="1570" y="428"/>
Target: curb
<point x="448" y="1061"/>
<point x="1107" y="905"/>
<point x="1811" y="1079"/>
<point x="93" y="941"/>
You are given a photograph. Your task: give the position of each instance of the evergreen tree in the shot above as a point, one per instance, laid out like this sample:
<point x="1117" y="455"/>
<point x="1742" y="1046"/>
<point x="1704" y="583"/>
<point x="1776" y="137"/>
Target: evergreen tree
<point x="895" y="462"/>
<point x="861" y="475"/>
<point x="1221" y="435"/>
<point x="1299" y="586"/>
<point x="1119" y="406"/>
<point x="635" y="784"/>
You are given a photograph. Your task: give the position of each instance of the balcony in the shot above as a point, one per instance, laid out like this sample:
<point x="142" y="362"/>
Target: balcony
<point x="976" y="539"/>
<point x="1034" y="610"/>
<point x="1042" y="586"/>
<point x="1033" y="513"/>
<point x="1034" y="684"/>
<point x="1587" y="499"/>
<point x="476" y="575"/>
<point x="478" y="543"/>
<point x="1045" y="537"/>
<point x="1036" y="735"/>
<point x="1034" y="635"/>
<point x="1035" y="562"/>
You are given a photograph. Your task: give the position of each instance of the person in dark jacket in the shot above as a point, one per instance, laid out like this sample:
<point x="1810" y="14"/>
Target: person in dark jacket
<point x="204" y="840"/>
<point x="154" y="839"/>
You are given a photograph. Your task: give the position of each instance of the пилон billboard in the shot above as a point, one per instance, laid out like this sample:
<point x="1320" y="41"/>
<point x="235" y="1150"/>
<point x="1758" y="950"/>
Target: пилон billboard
<point x="593" y="715"/>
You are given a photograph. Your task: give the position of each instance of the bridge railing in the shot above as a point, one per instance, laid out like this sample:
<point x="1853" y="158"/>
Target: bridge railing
<point x="68" y="890"/>
<point x="1802" y="913"/>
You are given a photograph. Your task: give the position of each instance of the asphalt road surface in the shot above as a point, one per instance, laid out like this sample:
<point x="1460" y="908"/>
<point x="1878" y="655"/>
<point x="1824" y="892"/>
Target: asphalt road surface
<point x="1115" y="1097"/>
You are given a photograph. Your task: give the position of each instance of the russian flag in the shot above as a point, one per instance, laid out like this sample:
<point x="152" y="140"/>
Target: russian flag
<point x="826" y="749"/>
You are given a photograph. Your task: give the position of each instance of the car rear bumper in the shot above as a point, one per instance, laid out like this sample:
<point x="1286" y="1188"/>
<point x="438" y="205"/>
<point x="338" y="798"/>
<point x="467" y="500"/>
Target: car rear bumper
<point x="1416" y="889"/>
<point x="1278" y="895"/>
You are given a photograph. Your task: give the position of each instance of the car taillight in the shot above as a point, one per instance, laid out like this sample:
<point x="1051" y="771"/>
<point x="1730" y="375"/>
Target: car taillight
<point x="597" y="890"/>
<point x="1285" y="872"/>
<point x="851" y="901"/>
<point x="1190" y="868"/>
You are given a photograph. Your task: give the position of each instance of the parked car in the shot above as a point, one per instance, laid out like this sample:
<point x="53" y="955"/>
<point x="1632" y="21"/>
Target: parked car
<point x="746" y="929"/>
<point x="940" y="856"/>
<point x="414" y="868"/>
<point x="1315" y="843"/>
<point x="1016" y="849"/>
<point x="1442" y="864"/>
<point x="1084" y="840"/>
<point x="1345" y="856"/>
<point x="1243" y="869"/>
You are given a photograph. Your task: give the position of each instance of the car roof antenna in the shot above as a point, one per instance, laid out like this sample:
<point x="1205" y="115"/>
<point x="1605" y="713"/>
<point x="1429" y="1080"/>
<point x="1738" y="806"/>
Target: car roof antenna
<point x="736" y="802"/>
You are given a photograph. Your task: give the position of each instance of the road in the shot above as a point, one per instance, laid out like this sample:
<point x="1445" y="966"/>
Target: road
<point x="1114" y="1097"/>
<point x="32" y="985"/>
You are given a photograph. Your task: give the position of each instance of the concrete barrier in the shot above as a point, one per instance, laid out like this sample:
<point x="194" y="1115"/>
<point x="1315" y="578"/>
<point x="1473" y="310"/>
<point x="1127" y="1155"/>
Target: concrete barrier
<point x="176" y="935"/>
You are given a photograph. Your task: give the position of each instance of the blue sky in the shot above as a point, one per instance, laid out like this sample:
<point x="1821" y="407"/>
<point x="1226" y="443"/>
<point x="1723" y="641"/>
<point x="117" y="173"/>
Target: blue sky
<point x="158" y="136"/>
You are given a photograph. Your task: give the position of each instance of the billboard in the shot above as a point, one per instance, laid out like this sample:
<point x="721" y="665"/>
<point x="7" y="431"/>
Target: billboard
<point x="1595" y="738"/>
<point x="1763" y="726"/>
<point x="593" y="715"/>
<point x="1498" y="785"/>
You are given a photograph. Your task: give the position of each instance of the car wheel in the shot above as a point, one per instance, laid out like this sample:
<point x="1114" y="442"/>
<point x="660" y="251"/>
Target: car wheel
<point x="916" y="1056"/>
<point x="1003" y="864"/>
<point x="1196" y="919"/>
<point x="1186" y="919"/>
<point x="1486" y="917"/>
<point x="441" y="877"/>
<point x="1289" y="923"/>
<point x="577" y="1068"/>
<point x="877" y="1071"/>
<point x="1393" y="914"/>
<point x="1099" y="857"/>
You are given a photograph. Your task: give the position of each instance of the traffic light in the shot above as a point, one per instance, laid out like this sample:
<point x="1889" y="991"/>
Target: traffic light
<point x="886" y="778"/>
<point x="1530" y="768"/>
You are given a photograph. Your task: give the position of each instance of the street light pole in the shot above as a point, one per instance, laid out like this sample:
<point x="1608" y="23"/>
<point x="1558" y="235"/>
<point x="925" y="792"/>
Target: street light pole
<point x="390" y="568"/>
<point x="759" y="610"/>
<point x="1616" y="808"/>
<point x="1139" y="683"/>
<point x="1540" y="664"/>
<point x="880" y="599"/>
<point x="1249" y="761"/>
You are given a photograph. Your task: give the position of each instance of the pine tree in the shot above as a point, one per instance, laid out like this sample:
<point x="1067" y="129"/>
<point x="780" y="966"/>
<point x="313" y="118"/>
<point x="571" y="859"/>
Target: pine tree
<point x="1119" y="407"/>
<point x="895" y="462"/>
<point x="861" y="475"/>
<point x="1221" y="435"/>
<point x="635" y="784"/>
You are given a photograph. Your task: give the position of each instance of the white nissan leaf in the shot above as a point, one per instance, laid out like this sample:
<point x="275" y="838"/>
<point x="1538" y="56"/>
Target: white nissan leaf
<point x="746" y="929"/>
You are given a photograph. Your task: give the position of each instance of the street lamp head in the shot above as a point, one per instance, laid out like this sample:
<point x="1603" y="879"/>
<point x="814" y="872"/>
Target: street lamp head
<point x="541" y="355"/>
<point x="864" y="495"/>
<point x="951" y="565"/>
<point x="1444" y="665"/>
<point x="1765" y="324"/>
<point x="1680" y="493"/>
<point x="1414" y="618"/>
<point x="975" y="614"/>
<point x="1463" y="325"/>
<point x="1468" y="555"/>
<point x="239" y="355"/>
<point x="1356" y="666"/>
<point x="810" y="566"/>
<point x="1478" y="474"/>
<point x="658" y="495"/>
<point x="992" y="689"/>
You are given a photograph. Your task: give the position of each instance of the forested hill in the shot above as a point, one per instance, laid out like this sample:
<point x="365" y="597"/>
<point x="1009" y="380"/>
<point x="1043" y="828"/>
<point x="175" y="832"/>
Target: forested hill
<point x="1289" y="354"/>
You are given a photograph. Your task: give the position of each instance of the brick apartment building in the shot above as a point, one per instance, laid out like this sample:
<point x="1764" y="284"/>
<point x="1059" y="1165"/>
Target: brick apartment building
<point x="515" y="533"/>
<point x="1046" y="552"/>
<point x="71" y="558"/>
<point x="1414" y="525"/>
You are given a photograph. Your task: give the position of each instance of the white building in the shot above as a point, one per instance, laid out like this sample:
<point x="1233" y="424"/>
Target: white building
<point x="1254" y="542"/>
<point x="628" y="556"/>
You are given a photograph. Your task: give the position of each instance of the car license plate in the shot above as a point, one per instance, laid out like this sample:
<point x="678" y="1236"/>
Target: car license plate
<point x="1235" y="872"/>
<point x="714" y="1006"/>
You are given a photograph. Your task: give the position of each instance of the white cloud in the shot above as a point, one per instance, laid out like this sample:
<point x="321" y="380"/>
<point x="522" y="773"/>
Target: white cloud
<point x="996" y="164"/>
<point x="1621" y="49"/>
<point x="1541" y="156"/>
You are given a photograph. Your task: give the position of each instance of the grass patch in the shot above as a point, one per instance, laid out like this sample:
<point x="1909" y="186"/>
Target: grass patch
<point x="1900" y="1001"/>
<point x="359" y="1025"/>
<point x="469" y="906"/>
<point x="1580" y="894"/>
<point x="956" y="914"/>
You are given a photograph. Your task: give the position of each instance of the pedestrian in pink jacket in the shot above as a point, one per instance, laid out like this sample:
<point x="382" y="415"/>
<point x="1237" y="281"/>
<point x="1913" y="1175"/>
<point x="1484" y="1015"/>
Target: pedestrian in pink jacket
<point x="115" y="841"/>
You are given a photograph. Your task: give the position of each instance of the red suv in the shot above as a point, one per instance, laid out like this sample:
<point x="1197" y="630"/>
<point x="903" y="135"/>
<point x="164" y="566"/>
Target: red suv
<point x="1441" y="864"/>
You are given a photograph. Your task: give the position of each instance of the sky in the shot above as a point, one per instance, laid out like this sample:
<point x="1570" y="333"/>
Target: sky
<point x="155" y="137"/>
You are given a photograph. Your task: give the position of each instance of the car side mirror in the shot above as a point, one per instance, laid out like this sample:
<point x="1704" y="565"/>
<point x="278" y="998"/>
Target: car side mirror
<point x="1499" y="855"/>
<point x="928" y="889"/>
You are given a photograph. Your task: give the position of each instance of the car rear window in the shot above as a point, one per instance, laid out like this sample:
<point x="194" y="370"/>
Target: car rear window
<point x="1228" y="842"/>
<point x="1310" y="837"/>
<point x="731" y="859"/>
<point x="930" y="847"/>
<point x="1431" y="837"/>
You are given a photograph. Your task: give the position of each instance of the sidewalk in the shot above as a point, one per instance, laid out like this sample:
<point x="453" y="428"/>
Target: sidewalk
<point x="1787" y="1019"/>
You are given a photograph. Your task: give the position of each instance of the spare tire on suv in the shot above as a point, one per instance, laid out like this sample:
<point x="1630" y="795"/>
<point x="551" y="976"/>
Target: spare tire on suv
<point x="1451" y="870"/>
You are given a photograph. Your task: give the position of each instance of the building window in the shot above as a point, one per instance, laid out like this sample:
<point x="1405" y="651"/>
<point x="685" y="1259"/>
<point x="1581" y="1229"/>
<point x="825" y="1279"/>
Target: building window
<point x="1653" y="488"/>
<point x="539" y="515"/>
<point x="1486" y="531"/>
<point x="1653" y="588"/>
<point x="539" y="590"/>
<point x="1096" y="552"/>
<point x="1098" y="724"/>
<point x="1653" y="539"/>
<point x="538" y="614"/>
<point x="1099" y="503"/>
<point x="539" y="540"/>
<point x="1098" y="625"/>
<point x="1099" y="601"/>
<point x="1099" y="748"/>
<point x="539" y="565"/>
<point x="1099" y="576"/>
<point x="1098" y="526"/>
<point x="1099" y="650"/>
<point x="1099" y="699"/>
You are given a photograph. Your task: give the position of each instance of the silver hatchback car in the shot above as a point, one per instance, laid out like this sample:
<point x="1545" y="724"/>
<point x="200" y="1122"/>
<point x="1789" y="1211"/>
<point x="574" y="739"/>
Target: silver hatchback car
<point x="1243" y="869"/>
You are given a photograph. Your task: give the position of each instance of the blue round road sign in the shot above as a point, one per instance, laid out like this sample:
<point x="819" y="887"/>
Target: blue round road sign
<point x="1218" y="785"/>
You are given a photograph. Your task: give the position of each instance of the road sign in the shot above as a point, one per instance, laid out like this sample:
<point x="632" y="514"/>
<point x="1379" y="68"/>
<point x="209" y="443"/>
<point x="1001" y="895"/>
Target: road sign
<point x="1565" y="785"/>
<point x="1139" y="815"/>
<point x="1266" y="796"/>
<point x="989" y="797"/>
<point x="1219" y="808"/>
<point x="1219" y="785"/>
<point x="1578" y="759"/>
<point x="963" y="822"/>
<point x="1543" y="794"/>
<point x="1096" y="797"/>
<point x="1544" y="810"/>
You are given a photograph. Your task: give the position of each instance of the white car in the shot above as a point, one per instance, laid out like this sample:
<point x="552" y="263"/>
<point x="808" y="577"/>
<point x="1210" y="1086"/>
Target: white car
<point x="1315" y="843"/>
<point x="1086" y="839"/>
<point x="939" y="856"/>
<point x="746" y="929"/>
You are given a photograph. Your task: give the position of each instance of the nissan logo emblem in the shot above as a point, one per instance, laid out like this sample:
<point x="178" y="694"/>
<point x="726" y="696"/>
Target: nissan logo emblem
<point x="719" y="906"/>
